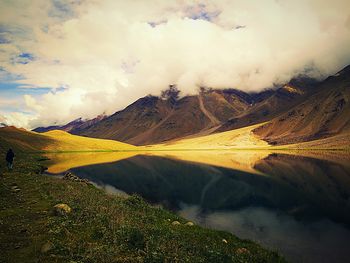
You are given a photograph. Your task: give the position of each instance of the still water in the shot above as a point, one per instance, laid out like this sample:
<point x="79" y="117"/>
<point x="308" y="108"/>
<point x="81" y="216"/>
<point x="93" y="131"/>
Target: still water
<point x="297" y="204"/>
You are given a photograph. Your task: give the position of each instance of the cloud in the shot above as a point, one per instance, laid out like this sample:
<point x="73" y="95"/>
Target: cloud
<point x="102" y="55"/>
<point x="17" y="119"/>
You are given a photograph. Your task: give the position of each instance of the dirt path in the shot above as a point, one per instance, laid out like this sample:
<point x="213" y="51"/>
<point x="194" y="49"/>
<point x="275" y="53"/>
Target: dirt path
<point x="211" y="117"/>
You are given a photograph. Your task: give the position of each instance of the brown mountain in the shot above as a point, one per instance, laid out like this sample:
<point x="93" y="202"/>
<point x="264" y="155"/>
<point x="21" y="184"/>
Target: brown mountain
<point x="300" y="110"/>
<point x="322" y="114"/>
<point x="153" y="119"/>
<point x="271" y="103"/>
<point x="157" y="119"/>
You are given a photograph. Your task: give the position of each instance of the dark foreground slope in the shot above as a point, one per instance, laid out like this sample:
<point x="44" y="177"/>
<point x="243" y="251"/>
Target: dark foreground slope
<point x="101" y="227"/>
<point x="324" y="114"/>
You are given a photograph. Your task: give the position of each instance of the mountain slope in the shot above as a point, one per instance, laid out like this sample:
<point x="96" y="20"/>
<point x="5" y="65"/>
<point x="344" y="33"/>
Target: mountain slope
<point x="301" y="110"/>
<point x="242" y="138"/>
<point x="134" y="120"/>
<point x="152" y="119"/>
<point x="325" y="113"/>
<point x="271" y="103"/>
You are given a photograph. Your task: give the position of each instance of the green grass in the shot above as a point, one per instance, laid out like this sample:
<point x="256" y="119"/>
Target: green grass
<point x="102" y="227"/>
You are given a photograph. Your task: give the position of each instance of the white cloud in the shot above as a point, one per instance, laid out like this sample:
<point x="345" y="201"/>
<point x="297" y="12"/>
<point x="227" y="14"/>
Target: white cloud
<point x="108" y="53"/>
<point x="18" y="119"/>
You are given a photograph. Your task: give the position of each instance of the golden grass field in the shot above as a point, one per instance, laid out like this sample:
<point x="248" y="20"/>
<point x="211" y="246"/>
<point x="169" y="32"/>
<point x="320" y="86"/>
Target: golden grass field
<point x="63" y="141"/>
<point x="239" y="139"/>
<point x="242" y="138"/>
<point x="56" y="141"/>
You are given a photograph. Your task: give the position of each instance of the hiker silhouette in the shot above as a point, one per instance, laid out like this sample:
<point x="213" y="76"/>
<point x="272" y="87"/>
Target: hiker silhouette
<point x="9" y="159"/>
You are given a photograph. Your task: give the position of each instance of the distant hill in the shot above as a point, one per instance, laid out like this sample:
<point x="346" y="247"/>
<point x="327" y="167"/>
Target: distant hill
<point x="73" y="126"/>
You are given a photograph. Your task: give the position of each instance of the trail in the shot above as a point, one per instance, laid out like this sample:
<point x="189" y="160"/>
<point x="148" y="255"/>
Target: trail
<point x="211" y="117"/>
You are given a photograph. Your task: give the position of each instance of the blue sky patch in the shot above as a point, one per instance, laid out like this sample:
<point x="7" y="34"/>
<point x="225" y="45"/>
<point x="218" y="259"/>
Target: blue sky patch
<point x="10" y="32"/>
<point x="23" y="58"/>
<point x="13" y="90"/>
<point x="6" y="76"/>
<point x="200" y="12"/>
<point x="61" y="9"/>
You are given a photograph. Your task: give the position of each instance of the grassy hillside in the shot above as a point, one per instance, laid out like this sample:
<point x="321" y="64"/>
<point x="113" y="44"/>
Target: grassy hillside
<point x="11" y="137"/>
<point x="56" y="141"/>
<point x="236" y="139"/>
<point x="102" y="227"/>
<point x="337" y="142"/>
<point x="243" y="138"/>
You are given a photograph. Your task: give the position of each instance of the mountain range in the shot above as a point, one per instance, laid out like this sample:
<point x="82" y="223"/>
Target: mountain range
<point x="301" y="110"/>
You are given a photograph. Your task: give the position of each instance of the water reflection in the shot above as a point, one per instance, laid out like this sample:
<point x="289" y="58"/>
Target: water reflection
<point x="297" y="204"/>
<point x="321" y="240"/>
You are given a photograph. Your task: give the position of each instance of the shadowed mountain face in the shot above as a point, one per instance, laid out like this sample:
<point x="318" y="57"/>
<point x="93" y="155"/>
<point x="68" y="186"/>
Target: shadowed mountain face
<point x="301" y="110"/>
<point x="323" y="114"/>
<point x="270" y="103"/>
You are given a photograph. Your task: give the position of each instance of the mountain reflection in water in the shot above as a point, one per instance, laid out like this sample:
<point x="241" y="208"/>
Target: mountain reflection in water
<point x="296" y="204"/>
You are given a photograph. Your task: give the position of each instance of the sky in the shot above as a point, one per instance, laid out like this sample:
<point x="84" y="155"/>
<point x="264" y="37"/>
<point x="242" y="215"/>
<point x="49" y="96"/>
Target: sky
<point x="65" y="59"/>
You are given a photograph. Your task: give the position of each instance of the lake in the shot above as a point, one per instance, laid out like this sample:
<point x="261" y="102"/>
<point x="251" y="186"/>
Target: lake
<point x="295" y="203"/>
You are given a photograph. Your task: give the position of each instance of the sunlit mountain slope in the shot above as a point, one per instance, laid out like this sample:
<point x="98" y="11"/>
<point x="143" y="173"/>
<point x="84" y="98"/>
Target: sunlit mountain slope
<point x="11" y="137"/>
<point x="242" y="138"/>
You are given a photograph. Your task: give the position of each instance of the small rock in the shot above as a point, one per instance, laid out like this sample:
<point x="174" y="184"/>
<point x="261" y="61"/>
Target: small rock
<point x="46" y="247"/>
<point x="175" y="223"/>
<point x="71" y="177"/>
<point x="225" y="241"/>
<point x="15" y="189"/>
<point x="62" y="209"/>
<point x="242" y="250"/>
<point x="189" y="224"/>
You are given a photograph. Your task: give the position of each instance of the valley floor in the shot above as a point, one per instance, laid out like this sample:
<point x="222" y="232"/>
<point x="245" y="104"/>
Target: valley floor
<point x="101" y="227"/>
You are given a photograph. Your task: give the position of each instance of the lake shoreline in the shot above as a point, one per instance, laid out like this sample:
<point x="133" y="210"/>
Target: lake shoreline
<point x="102" y="227"/>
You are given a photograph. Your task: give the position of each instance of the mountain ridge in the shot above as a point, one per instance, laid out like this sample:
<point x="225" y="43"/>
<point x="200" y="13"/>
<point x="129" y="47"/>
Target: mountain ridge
<point x="153" y="119"/>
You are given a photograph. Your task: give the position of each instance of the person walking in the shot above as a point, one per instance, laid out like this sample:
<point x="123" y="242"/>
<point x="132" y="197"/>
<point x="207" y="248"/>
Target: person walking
<point x="9" y="159"/>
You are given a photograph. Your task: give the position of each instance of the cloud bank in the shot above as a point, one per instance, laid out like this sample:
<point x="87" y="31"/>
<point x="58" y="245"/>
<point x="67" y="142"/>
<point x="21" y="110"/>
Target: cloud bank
<point x="99" y="56"/>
